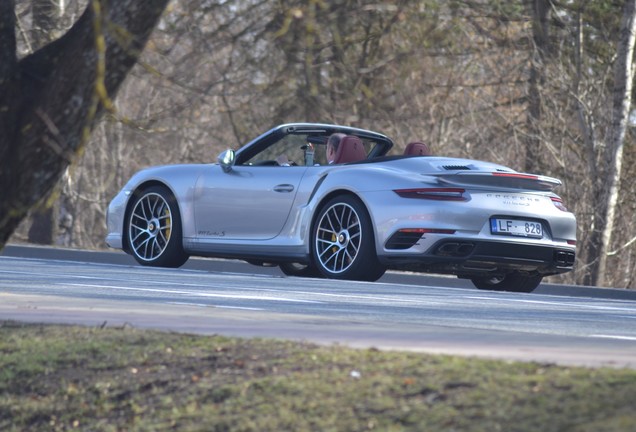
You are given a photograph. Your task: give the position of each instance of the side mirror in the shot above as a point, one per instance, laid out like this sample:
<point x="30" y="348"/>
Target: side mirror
<point x="226" y="160"/>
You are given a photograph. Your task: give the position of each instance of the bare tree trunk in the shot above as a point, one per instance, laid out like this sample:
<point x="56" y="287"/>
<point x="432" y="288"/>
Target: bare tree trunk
<point x="623" y="80"/>
<point x="587" y="128"/>
<point x="541" y="49"/>
<point x="50" y="100"/>
<point x="46" y="23"/>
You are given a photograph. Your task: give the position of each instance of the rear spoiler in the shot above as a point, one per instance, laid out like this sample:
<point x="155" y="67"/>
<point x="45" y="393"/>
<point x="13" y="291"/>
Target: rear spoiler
<point x="509" y="180"/>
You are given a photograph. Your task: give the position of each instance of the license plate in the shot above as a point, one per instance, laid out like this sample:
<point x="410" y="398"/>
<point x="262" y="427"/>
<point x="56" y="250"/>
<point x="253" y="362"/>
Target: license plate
<point x="516" y="227"/>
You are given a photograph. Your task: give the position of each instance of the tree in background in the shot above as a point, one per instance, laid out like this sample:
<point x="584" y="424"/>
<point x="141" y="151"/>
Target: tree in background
<point x="589" y="84"/>
<point x="621" y="108"/>
<point x="51" y="99"/>
<point x="46" y="26"/>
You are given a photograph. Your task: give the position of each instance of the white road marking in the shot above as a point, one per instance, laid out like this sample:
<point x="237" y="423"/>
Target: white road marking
<point x="195" y="285"/>
<point x="192" y="293"/>
<point x="390" y="299"/>
<point x="556" y="304"/>
<point x="628" y="338"/>
<point x="203" y="305"/>
<point x="353" y="296"/>
<point x="239" y="307"/>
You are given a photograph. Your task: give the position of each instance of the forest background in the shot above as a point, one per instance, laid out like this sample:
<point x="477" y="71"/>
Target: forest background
<point x="542" y="86"/>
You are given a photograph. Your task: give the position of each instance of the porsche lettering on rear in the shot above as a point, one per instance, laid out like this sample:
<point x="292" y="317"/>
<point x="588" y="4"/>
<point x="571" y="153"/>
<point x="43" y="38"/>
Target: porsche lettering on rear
<point x="516" y="199"/>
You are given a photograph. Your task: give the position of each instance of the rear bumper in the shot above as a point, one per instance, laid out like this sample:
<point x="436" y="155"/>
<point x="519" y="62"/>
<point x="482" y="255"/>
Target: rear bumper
<point x="468" y="257"/>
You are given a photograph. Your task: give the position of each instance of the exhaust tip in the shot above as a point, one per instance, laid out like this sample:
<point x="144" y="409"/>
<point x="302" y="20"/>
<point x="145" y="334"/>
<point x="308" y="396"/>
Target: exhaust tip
<point x="455" y="249"/>
<point x="564" y="258"/>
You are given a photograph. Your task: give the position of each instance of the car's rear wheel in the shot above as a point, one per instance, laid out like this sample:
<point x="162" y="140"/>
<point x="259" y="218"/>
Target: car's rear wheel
<point x="514" y="282"/>
<point x="299" y="270"/>
<point x="343" y="245"/>
<point x="154" y="229"/>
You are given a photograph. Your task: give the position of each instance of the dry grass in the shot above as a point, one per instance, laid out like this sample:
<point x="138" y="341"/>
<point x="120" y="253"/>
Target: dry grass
<point x="76" y="378"/>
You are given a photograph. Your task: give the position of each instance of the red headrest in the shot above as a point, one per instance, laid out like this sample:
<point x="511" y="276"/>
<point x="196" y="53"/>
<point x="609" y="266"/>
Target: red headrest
<point x="418" y="149"/>
<point x="351" y="149"/>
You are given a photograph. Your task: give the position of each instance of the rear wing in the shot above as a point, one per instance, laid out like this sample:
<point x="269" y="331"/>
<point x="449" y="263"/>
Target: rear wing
<point x="508" y="180"/>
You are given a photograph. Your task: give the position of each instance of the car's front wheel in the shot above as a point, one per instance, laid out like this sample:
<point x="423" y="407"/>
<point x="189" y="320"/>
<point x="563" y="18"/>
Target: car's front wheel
<point x="154" y="229"/>
<point x="514" y="282"/>
<point x="343" y="244"/>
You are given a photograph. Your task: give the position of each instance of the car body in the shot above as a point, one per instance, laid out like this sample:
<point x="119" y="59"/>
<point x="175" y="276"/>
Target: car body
<point x="354" y="219"/>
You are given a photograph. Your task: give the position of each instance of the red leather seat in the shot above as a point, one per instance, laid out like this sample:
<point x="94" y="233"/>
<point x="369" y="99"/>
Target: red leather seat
<point x="350" y="149"/>
<point x="417" y="149"/>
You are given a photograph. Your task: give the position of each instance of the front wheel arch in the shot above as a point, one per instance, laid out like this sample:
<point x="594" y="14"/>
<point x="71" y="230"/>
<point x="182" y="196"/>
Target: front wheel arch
<point x="134" y="196"/>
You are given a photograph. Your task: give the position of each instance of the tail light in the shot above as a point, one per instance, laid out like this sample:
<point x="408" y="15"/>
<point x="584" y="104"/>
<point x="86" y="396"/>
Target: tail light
<point x="427" y="231"/>
<point x="558" y="203"/>
<point x="439" y="194"/>
<point x="516" y="175"/>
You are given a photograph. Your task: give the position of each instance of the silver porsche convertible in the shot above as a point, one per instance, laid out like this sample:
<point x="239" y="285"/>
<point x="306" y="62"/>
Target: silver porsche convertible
<point x="279" y="201"/>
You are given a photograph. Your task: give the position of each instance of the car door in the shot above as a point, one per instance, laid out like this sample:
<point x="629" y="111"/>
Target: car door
<point x="246" y="203"/>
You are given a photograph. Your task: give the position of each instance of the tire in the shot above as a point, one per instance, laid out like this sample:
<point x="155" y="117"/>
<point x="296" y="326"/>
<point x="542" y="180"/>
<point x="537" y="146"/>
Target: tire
<point x="299" y="270"/>
<point x="154" y="229"/>
<point x="513" y="282"/>
<point x="342" y="241"/>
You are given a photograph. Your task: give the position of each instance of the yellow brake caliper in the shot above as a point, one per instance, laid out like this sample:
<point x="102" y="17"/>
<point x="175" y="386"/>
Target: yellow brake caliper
<point x="166" y="212"/>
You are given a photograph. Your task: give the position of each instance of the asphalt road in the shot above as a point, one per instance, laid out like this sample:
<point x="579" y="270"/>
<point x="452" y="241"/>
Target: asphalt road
<point x="556" y="324"/>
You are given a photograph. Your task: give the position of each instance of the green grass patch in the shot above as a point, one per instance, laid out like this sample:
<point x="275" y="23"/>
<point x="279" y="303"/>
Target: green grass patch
<point x="76" y="378"/>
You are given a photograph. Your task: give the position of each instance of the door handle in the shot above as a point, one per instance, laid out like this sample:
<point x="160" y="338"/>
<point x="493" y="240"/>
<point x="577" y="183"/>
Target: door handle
<point x="284" y="188"/>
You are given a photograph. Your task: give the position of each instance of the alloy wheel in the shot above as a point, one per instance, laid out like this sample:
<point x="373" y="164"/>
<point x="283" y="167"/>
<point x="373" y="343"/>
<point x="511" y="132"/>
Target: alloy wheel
<point x="338" y="238"/>
<point x="150" y="226"/>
